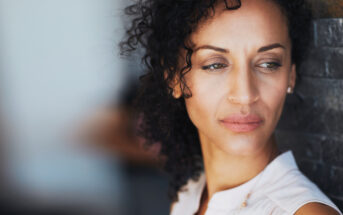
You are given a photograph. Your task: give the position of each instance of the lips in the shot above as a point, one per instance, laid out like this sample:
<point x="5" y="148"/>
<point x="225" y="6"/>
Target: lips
<point x="239" y="123"/>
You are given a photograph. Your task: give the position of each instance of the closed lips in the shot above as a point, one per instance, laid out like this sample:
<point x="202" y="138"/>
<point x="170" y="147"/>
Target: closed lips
<point x="237" y="119"/>
<point x="239" y="123"/>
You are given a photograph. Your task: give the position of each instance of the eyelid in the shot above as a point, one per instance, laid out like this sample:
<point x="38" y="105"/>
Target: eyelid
<point x="271" y="62"/>
<point x="207" y="67"/>
<point x="276" y="66"/>
<point x="214" y="61"/>
<point x="274" y="60"/>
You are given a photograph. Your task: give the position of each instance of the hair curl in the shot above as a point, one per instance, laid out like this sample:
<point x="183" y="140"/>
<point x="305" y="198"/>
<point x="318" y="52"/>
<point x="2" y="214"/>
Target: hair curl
<point x="161" y="28"/>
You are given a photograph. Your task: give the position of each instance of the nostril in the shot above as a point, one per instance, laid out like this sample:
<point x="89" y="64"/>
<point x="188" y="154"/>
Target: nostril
<point x="256" y="98"/>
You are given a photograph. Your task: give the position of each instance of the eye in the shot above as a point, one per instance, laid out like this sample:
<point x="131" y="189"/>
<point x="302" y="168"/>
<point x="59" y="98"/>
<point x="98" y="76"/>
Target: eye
<point x="270" y="66"/>
<point x="214" y="66"/>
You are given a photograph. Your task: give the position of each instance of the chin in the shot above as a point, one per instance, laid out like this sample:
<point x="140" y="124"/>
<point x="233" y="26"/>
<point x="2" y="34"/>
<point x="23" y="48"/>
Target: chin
<point x="243" y="146"/>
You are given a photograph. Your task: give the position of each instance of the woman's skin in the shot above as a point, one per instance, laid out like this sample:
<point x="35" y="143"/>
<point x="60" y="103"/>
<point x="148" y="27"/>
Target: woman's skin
<point x="241" y="65"/>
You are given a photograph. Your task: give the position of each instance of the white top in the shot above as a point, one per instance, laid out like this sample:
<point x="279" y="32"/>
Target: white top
<point x="280" y="189"/>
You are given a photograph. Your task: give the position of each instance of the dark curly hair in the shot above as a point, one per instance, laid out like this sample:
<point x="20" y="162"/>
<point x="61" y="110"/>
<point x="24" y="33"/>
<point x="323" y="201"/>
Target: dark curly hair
<point x="161" y="28"/>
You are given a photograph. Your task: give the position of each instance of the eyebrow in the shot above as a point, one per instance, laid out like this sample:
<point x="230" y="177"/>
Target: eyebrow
<point x="262" y="49"/>
<point x="212" y="48"/>
<point x="269" y="47"/>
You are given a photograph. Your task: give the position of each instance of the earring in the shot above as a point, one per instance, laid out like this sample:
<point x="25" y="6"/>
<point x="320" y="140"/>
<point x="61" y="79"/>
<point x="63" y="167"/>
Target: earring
<point x="289" y="90"/>
<point x="176" y="96"/>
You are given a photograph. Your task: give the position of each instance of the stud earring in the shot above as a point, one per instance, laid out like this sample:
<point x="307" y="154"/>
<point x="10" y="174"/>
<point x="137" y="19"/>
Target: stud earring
<point x="176" y="96"/>
<point x="289" y="90"/>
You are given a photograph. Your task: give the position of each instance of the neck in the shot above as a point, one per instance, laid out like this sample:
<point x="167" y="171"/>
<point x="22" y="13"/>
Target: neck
<point x="225" y="171"/>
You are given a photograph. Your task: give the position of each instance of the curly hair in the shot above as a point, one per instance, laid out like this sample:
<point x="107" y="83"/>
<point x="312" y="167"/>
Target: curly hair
<point x="161" y="28"/>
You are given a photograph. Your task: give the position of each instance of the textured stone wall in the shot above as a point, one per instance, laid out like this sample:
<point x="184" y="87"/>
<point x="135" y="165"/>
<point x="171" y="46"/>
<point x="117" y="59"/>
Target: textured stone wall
<point x="312" y="121"/>
<point x="327" y="8"/>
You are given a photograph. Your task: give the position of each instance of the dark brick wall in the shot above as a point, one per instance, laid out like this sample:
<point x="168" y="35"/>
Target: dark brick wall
<point x="327" y="8"/>
<point x="312" y="121"/>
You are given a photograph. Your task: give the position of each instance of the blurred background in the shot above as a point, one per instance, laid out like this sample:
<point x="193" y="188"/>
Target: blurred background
<point x="67" y="133"/>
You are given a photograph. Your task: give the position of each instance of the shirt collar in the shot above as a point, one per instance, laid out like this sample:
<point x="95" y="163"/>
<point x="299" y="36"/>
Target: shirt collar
<point x="233" y="198"/>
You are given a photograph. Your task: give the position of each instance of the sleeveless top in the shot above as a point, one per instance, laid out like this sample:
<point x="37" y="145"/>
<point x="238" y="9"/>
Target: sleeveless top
<point x="280" y="189"/>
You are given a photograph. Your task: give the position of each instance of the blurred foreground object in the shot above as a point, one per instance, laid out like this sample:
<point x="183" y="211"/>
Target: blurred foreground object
<point x="58" y="65"/>
<point x="115" y="130"/>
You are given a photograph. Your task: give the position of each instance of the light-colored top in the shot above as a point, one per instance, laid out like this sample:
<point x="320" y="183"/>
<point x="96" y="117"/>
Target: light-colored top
<point x="280" y="189"/>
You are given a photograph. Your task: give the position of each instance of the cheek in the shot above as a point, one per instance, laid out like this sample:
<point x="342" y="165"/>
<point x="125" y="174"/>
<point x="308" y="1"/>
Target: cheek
<point x="206" y="95"/>
<point x="273" y="93"/>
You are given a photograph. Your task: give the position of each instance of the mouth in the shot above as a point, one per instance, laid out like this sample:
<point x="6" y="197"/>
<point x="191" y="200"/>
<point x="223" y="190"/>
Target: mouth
<point x="240" y="124"/>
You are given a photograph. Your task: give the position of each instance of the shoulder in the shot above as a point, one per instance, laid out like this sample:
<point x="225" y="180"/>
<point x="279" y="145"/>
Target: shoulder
<point x="315" y="208"/>
<point x="171" y="207"/>
<point x="188" y="196"/>
<point x="296" y="194"/>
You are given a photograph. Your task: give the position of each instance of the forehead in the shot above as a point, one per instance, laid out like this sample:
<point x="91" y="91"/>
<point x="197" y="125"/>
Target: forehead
<point x="256" y="22"/>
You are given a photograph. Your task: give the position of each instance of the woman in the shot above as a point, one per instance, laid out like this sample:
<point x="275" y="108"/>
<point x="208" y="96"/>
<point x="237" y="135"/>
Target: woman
<point x="217" y="76"/>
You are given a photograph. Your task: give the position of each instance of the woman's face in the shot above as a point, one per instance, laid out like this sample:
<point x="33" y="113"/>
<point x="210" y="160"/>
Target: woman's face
<point x="241" y="68"/>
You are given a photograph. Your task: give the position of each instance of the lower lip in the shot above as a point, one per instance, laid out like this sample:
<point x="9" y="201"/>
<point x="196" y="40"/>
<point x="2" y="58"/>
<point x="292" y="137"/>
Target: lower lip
<point x="241" y="127"/>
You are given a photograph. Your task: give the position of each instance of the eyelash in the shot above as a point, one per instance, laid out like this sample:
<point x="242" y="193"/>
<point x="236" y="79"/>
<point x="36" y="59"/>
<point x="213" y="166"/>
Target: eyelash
<point x="214" y="66"/>
<point x="219" y="66"/>
<point x="275" y="66"/>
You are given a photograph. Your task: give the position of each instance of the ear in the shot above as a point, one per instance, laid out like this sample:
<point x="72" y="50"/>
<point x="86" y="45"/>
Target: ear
<point x="175" y="85"/>
<point x="293" y="76"/>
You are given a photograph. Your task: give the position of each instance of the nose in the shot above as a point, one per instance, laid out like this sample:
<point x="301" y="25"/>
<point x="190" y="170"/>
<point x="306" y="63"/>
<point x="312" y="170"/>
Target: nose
<point x="243" y="88"/>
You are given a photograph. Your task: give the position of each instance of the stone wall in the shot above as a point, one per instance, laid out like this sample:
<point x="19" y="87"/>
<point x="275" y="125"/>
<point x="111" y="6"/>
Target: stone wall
<point x="312" y="121"/>
<point x="327" y="8"/>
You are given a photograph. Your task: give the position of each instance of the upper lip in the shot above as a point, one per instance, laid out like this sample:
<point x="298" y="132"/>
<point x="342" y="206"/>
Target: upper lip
<point x="242" y="119"/>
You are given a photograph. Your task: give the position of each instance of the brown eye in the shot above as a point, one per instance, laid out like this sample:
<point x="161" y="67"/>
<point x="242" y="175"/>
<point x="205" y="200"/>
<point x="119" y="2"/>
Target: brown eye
<point x="215" y="66"/>
<point x="270" y="66"/>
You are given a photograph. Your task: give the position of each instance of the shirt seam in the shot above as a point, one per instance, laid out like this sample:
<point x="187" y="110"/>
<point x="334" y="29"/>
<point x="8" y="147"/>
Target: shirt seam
<point x="276" y="203"/>
<point x="302" y="203"/>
